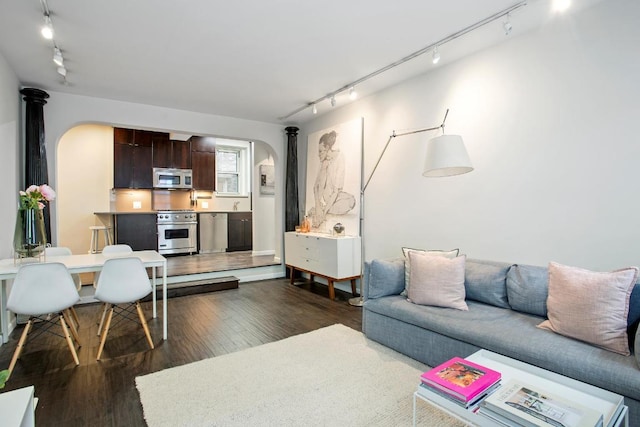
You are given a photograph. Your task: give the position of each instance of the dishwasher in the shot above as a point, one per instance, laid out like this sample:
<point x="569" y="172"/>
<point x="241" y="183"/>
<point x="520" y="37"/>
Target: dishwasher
<point x="212" y="232"/>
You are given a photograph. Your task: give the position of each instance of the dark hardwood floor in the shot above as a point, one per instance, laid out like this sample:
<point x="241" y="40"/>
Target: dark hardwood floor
<point x="103" y="393"/>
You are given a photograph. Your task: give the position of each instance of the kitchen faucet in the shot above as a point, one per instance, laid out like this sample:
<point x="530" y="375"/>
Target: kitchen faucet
<point x="235" y="205"/>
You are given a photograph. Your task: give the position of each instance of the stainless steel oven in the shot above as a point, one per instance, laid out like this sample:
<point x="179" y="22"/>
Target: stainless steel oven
<point x="177" y="232"/>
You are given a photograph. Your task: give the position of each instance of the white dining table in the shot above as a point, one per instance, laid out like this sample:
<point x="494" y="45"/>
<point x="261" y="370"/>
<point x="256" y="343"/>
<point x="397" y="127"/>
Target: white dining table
<point x="85" y="263"/>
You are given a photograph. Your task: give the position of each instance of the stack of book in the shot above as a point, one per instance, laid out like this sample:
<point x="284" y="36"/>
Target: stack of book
<point x="520" y="404"/>
<point x="460" y="381"/>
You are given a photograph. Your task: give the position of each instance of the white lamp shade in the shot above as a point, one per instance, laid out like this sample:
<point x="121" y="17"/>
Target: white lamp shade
<point x="446" y="156"/>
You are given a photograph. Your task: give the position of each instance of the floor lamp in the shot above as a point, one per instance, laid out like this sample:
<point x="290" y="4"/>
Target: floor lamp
<point x="446" y="156"/>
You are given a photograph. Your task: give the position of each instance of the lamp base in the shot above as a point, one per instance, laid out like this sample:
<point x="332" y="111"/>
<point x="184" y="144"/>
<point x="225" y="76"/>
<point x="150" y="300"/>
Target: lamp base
<point x="356" y="302"/>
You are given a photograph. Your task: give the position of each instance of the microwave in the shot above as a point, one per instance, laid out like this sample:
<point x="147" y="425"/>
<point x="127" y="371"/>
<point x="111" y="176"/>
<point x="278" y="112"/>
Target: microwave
<point x="172" y="178"/>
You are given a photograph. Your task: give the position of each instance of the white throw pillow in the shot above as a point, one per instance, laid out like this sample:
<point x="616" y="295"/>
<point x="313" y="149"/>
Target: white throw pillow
<point x="407" y="262"/>
<point x="437" y="280"/>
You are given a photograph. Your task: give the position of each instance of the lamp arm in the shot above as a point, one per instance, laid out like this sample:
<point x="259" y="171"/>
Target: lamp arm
<point x="393" y="135"/>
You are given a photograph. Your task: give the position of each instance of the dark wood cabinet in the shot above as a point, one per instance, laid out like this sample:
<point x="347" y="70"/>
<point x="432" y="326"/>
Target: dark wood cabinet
<point x="239" y="234"/>
<point x="203" y="163"/>
<point x="137" y="230"/>
<point x="169" y="153"/>
<point x="132" y="158"/>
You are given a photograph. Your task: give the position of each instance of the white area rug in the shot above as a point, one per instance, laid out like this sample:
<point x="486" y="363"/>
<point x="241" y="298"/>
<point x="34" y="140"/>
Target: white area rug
<point x="333" y="376"/>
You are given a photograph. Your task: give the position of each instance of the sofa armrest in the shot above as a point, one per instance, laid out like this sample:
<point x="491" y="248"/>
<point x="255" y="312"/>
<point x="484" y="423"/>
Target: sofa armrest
<point x="383" y="277"/>
<point x="636" y="349"/>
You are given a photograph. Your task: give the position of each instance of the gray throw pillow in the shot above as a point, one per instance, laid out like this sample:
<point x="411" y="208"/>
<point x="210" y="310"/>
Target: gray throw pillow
<point x="528" y="288"/>
<point x="385" y="277"/>
<point x="485" y="281"/>
<point x="437" y="281"/>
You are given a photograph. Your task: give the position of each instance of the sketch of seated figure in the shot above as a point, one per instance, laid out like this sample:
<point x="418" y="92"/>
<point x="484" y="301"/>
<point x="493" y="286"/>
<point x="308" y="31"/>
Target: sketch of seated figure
<point x="327" y="190"/>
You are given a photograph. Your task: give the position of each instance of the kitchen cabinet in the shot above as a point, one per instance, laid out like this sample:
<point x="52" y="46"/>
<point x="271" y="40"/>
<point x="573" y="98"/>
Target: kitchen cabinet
<point x="132" y="158"/>
<point x="137" y="230"/>
<point x="239" y="233"/>
<point x="203" y="163"/>
<point x="334" y="258"/>
<point x="168" y="153"/>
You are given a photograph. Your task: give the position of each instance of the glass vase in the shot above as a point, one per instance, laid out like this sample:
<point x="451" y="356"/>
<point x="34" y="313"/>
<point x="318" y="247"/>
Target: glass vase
<point x="30" y="238"/>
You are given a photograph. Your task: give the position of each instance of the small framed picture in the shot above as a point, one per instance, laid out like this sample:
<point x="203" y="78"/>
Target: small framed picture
<point x="267" y="180"/>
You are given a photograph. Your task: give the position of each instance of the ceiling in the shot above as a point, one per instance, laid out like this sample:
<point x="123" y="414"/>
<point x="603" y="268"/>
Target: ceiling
<point x="251" y="59"/>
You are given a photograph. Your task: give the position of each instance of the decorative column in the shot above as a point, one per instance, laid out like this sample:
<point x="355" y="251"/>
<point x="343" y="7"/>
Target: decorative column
<point x="36" y="171"/>
<point x="292" y="210"/>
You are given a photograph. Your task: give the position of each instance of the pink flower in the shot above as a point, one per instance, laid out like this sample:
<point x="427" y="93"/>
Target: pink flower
<point x="40" y="205"/>
<point x="32" y="188"/>
<point x="47" y="192"/>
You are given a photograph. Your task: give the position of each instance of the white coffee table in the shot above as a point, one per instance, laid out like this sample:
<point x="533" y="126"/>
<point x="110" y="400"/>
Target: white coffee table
<point x="606" y="402"/>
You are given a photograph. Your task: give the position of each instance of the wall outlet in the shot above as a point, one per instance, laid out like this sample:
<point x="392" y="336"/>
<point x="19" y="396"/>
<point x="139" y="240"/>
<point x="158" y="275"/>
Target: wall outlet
<point x="137" y="205"/>
<point x="205" y="205"/>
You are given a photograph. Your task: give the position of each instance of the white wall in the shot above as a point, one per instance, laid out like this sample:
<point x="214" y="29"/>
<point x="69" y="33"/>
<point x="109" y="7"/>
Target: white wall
<point x="64" y="111"/>
<point x="9" y="148"/>
<point x="83" y="184"/>
<point x="550" y="121"/>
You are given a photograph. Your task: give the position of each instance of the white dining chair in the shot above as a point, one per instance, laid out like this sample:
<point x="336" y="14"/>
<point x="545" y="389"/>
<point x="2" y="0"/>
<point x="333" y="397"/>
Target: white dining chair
<point x="122" y="284"/>
<point x="109" y="250"/>
<point x="55" y="251"/>
<point x="44" y="292"/>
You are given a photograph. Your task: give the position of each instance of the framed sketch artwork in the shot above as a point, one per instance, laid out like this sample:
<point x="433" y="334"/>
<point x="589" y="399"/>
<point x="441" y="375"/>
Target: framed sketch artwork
<point x="334" y="175"/>
<point x="267" y="179"/>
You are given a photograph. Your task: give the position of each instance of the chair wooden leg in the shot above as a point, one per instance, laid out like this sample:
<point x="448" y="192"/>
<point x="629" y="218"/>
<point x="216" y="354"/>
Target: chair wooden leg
<point x="105" y="307"/>
<point x="144" y="324"/>
<point x="74" y="317"/>
<point x="72" y="347"/>
<point x="19" y="347"/>
<point x="72" y="326"/>
<point x="106" y="330"/>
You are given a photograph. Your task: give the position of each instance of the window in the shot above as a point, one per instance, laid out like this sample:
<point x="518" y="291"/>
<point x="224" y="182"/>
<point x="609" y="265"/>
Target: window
<point x="232" y="168"/>
<point x="228" y="171"/>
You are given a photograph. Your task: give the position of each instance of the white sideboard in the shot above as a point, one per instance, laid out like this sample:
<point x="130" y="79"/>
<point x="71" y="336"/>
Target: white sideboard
<point x="334" y="258"/>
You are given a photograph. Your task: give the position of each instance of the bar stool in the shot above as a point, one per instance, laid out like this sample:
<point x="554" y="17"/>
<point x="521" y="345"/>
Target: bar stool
<point x="95" y="237"/>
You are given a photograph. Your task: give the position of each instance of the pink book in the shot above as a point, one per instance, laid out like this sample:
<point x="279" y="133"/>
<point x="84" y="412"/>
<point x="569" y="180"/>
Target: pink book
<point x="460" y="378"/>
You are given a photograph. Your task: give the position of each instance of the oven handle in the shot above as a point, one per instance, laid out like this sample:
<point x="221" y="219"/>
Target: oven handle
<point x="177" y="223"/>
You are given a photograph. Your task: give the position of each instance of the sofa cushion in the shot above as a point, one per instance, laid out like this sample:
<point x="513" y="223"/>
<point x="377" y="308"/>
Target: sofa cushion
<point x="407" y="263"/>
<point x="485" y="281"/>
<point x="590" y="306"/>
<point x="528" y="288"/>
<point x="385" y="277"/>
<point x="437" y="280"/>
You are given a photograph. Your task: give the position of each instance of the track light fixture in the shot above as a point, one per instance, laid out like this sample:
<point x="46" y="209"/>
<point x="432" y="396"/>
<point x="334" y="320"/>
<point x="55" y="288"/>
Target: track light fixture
<point x="561" y="5"/>
<point x="507" y="25"/>
<point x="47" y="28"/>
<point x="436" y="55"/>
<point x="352" y="93"/>
<point x="433" y="48"/>
<point x="57" y="57"/>
<point x="62" y="71"/>
<point x="314" y="109"/>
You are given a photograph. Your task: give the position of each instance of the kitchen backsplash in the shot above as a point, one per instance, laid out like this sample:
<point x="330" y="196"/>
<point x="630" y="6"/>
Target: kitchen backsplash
<point x="127" y="200"/>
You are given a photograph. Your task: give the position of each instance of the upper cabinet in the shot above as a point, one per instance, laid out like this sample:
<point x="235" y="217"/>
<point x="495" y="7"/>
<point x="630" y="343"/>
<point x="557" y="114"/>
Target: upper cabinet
<point x="169" y="153"/>
<point x="203" y="162"/>
<point x="132" y="158"/>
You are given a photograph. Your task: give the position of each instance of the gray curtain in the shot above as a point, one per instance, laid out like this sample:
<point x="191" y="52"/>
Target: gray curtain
<point x="292" y="210"/>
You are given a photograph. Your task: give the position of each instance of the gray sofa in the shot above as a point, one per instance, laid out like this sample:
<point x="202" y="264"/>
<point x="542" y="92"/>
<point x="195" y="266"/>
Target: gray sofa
<point x="506" y="302"/>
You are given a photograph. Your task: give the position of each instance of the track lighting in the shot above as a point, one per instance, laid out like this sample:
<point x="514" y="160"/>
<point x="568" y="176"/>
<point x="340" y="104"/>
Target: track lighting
<point x="436" y="55"/>
<point x="507" y="25"/>
<point x="57" y="57"/>
<point x="432" y="47"/>
<point x="62" y="71"/>
<point x="47" y="28"/>
<point x="352" y="93"/>
<point x="314" y="109"/>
